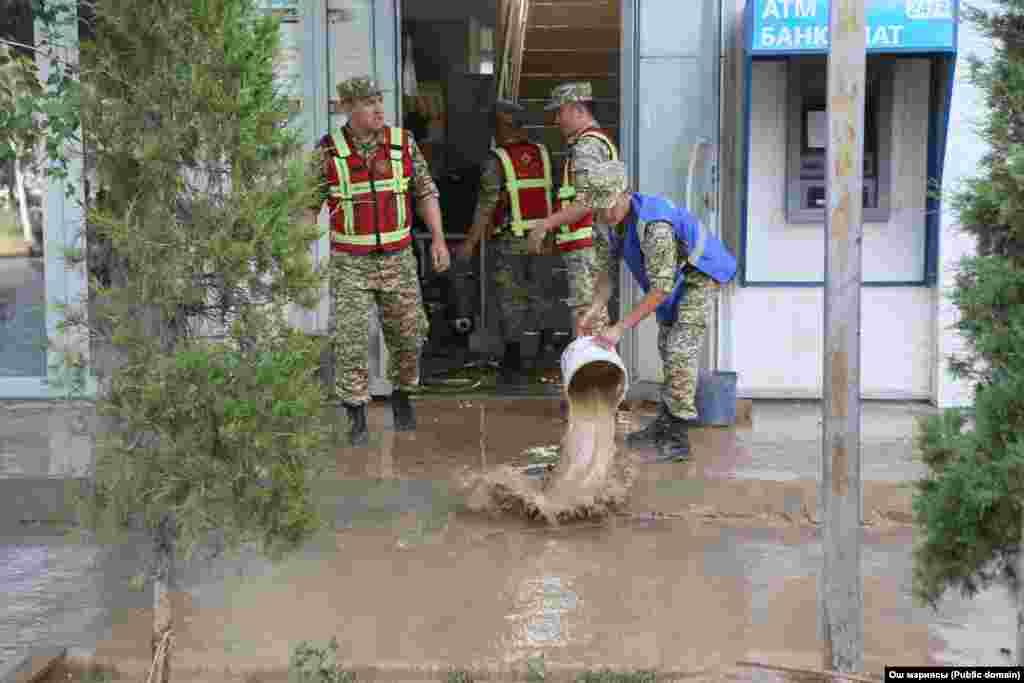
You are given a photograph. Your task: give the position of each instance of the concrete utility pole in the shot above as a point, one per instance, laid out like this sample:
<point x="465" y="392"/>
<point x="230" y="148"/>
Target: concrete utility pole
<point x="841" y="595"/>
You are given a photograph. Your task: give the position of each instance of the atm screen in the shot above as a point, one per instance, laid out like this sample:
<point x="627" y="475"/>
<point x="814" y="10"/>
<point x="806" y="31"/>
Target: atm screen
<point x="813" y="196"/>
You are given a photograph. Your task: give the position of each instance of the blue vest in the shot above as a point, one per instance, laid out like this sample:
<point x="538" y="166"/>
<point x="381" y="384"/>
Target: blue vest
<point x="706" y="252"/>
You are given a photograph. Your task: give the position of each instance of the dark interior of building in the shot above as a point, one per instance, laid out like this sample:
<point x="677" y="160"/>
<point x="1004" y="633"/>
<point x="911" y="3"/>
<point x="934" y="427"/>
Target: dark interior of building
<point x="450" y="63"/>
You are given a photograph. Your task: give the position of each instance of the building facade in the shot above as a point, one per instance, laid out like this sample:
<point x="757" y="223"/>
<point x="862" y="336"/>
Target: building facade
<point x="719" y="105"/>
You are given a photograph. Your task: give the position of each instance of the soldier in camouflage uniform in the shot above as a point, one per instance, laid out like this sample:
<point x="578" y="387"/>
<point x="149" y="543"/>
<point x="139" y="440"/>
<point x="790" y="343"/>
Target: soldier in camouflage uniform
<point x="679" y="265"/>
<point x="586" y="146"/>
<point x="519" y="284"/>
<point x="369" y="174"/>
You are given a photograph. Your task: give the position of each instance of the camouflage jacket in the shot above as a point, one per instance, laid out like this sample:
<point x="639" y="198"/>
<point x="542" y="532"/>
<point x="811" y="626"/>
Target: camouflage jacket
<point x="663" y="253"/>
<point x="587" y="152"/>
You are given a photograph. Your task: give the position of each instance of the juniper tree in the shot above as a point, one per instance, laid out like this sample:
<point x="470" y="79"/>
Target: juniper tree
<point x="970" y="506"/>
<point x="197" y="247"/>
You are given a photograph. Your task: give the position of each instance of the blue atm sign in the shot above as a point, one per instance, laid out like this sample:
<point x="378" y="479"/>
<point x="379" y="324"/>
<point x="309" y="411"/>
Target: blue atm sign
<point x="788" y="26"/>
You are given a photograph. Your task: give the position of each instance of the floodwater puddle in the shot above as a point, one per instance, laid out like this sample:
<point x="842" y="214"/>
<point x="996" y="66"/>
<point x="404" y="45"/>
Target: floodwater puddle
<point x="477" y="450"/>
<point x="483" y="594"/>
<point x="701" y="569"/>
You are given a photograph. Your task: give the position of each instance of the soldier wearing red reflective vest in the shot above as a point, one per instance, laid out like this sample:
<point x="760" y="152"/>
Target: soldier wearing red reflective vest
<point x="587" y="146"/>
<point x="369" y="176"/>
<point x="515" y="192"/>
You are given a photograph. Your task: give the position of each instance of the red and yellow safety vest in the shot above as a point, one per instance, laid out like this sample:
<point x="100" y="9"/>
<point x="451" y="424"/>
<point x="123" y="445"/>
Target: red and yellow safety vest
<point x="580" y="234"/>
<point x="369" y="199"/>
<point x="527" y="193"/>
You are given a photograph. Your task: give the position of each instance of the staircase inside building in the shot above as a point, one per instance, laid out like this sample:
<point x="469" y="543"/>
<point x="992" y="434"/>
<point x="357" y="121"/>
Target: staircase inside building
<point x="570" y="40"/>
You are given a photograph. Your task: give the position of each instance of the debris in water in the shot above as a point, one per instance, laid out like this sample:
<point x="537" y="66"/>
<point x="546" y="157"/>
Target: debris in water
<point x="543" y="454"/>
<point x="538" y="469"/>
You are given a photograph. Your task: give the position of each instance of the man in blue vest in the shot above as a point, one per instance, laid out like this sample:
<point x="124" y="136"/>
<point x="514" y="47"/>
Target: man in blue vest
<point x="679" y="265"/>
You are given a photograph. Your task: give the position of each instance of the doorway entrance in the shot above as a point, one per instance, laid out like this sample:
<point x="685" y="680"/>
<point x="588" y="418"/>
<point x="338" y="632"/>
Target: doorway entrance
<point x="455" y="59"/>
<point x="654" y="66"/>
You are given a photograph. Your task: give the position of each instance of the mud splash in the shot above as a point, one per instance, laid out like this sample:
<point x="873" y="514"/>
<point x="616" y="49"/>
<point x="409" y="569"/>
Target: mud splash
<point x="591" y="480"/>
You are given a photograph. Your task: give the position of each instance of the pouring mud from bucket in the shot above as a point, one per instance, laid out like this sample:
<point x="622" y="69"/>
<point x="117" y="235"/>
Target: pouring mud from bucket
<point x="590" y="480"/>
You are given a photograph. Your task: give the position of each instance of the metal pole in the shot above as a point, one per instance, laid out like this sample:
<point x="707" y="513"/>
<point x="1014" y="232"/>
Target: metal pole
<point x="840" y="588"/>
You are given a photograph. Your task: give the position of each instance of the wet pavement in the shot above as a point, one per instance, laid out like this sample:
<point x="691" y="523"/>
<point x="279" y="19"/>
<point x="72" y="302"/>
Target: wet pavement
<point x="715" y="562"/>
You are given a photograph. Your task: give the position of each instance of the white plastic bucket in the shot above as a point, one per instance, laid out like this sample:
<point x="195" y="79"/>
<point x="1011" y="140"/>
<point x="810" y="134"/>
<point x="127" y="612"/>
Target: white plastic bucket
<point x="583" y="352"/>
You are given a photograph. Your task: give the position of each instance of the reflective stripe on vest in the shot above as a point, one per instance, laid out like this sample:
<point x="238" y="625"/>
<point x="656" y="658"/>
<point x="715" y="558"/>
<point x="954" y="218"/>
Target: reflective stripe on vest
<point x="347" y="191"/>
<point x="513" y="184"/>
<point x="583" y="229"/>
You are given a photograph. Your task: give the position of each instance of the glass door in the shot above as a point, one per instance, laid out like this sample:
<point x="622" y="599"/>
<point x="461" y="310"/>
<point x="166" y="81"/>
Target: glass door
<point x="670" y="106"/>
<point x="38" y="221"/>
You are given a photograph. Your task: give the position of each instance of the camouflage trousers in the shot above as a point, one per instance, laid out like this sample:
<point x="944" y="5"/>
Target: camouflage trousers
<point x="680" y="345"/>
<point x="520" y="287"/>
<point x="581" y="272"/>
<point x="390" y="281"/>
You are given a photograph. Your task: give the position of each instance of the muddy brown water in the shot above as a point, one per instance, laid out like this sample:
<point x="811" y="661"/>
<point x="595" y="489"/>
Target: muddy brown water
<point x="86" y="673"/>
<point x="591" y="480"/>
<point x="403" y="581"/>
<point x="75" y="671"/>
<point x="484" y="597"/>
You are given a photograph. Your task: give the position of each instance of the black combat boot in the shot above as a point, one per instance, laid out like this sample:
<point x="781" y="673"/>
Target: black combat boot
<point x="651" y="434"/>
<point x="674" y="442"/>
<point x="357" y="421"/>
<point x="512" y="364"/>
<point x="401" y="407"/>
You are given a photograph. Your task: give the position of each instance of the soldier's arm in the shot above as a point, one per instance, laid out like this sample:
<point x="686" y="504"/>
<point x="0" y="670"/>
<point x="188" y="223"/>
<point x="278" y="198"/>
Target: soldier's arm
<point x="425" y="191"/>
<point x="490" y="190"/>
<point x="658" y="244"/>
<point x="660" y="248"/>
<point x="566" y="216"/>
<point x="321" y="190"/>
<point x="603" y="259"/>
<point x="586" y="154"/>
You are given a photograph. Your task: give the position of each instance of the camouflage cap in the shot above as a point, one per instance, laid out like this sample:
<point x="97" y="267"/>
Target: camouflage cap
<point x="359" y="86"/>
<point x="577" y="91"/>
<point x="604" y="184"/>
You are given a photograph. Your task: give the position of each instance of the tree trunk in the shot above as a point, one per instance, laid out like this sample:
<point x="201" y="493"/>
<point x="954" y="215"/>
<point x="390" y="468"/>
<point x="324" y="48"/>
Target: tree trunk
<point x="1020" y="595"/>
<point x="163" y="614"/>
<point x="22" y="199"/>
